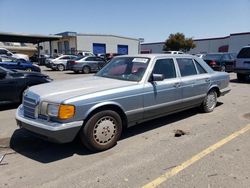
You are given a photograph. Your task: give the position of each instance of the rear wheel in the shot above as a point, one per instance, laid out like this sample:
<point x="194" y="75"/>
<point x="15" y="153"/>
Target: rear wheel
<point x="86" y="69"/>
<point x="223" y="68"/>
<point x="209" y="102"/>
<point x="60" y="67"/>
<point x="241" y="77"/>
<point x="101" y="131"/>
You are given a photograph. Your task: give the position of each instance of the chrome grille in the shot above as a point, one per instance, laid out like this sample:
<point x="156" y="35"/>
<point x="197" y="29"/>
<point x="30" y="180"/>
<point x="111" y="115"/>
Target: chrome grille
<point x="29" y="107"/>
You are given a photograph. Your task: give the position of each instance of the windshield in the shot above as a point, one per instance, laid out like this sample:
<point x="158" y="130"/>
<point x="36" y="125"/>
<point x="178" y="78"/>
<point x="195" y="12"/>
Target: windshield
<point x="125" y="68"/>
<point x="214" y="57"/>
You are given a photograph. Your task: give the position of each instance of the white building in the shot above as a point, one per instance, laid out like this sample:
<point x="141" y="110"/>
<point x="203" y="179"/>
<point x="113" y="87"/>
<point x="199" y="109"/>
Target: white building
<point x="72" y="42"/>
<point x="232" y="43"/>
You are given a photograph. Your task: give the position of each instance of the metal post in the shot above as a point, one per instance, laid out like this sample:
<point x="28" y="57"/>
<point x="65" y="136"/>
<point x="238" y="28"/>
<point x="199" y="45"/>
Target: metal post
<point x="50" y="48"/>
<point x="38" y="49"/>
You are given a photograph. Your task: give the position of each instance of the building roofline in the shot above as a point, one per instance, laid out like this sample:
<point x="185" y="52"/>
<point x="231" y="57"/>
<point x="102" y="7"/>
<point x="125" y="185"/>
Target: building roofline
<point x="153" y="43"/>
<point x="243" y="33"/>
<point x="106" y="35"/>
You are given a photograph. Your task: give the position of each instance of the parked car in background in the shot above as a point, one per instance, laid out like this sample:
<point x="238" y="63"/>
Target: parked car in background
<point x="5" y="52"/>
<point x="60" y="63"/>
<point x="242" y="65"/>
<point x="127" y="91"/>
<point x="220" y="61"/>
<point x="86" y="64"/>
<point x="13" y="83"/>
<point x="19" y="64"/>
<point x="85" y="53"/>
<point x="41" y="59"/>
<point x="200" y="55"/>
<point x="173" y="52"/>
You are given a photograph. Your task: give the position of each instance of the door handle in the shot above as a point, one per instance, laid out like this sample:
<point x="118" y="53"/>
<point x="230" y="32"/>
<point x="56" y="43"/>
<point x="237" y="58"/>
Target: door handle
<point x="207" y="80"/>
<point x="177" y="84"/>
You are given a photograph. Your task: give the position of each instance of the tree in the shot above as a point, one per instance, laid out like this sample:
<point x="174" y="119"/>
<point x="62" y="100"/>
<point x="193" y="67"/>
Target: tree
<point x="178" y="42"/>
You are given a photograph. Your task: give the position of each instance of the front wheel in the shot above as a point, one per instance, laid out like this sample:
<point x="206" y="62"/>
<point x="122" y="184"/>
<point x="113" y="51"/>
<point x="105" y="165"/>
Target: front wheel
<point x="209" y="102"/>
<point x="101" y="131"/>
<point x="60" y="67"/>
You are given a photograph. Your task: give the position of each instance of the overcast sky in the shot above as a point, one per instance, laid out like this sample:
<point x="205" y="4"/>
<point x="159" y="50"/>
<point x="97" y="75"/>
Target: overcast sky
<point x="152" y="20"/>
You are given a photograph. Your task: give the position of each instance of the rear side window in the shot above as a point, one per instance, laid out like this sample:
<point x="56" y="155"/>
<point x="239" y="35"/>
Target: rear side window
<point x="165" y="67"/>
<point x="200" y="69"/>
<point x="244" y="53"/>
<point x="186" y="66"/>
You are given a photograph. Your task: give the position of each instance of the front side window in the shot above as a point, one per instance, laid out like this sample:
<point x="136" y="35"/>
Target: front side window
<point x="186" y="67"/>
<point x="165" y="67"/>
<point x="125" y="68"/>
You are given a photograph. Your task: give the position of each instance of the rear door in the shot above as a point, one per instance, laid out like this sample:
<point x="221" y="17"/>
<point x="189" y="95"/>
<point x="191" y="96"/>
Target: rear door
<point x="195" y="81"/>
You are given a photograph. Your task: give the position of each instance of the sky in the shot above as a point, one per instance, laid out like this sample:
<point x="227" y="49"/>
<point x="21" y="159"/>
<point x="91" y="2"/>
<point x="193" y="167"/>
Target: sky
<point x="153" y="20"/>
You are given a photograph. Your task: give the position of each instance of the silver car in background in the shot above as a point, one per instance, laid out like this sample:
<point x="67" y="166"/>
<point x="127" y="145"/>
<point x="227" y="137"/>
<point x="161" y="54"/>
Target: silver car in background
<point x="127" y="91"/>
<point x="86" y="64"/>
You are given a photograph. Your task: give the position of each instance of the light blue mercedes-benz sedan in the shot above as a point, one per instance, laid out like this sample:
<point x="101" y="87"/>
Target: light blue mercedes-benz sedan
<point x="127" y="91"/>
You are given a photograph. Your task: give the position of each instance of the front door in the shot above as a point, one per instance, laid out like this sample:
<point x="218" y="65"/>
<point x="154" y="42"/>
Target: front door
<point x="162" y="97"/>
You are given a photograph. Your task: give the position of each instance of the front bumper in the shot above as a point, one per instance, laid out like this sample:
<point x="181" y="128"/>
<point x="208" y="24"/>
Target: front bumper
<point x="51" y="131"/>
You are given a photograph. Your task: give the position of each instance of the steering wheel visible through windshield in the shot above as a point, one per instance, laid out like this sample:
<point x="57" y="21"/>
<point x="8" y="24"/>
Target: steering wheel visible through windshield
<point x="125" y="68"/>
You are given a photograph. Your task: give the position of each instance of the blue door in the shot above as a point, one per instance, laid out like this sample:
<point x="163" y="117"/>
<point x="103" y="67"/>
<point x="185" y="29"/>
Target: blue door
<point x="122" y="49"/>
<point x="99" y="48"/>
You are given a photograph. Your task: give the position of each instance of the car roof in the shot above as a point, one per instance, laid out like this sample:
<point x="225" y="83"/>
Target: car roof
<point x="158" y="55"/>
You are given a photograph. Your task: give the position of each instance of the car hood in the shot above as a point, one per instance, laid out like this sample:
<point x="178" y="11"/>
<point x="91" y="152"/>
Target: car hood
<point x="59" y="91"/>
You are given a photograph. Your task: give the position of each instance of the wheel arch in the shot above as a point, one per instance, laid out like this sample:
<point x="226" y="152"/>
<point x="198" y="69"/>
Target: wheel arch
<point x="107" y="106"/>
<point x="216" y="88"/>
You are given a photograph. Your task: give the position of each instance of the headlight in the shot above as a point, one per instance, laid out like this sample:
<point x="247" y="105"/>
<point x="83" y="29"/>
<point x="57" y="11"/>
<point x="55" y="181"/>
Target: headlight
<point x="52" y="110"/>
<point x="61" y="111"/>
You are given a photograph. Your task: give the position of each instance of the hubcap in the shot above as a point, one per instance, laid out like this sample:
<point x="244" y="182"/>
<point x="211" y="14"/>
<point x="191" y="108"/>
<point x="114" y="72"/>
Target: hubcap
<point x="86" y="70"/>
<point x="104" y="130"/>
<point x="211" y="100"/>
<point x="60" y="68"/>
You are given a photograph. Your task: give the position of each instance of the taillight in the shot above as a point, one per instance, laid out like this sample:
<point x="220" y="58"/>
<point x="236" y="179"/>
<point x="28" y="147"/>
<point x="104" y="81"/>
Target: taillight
<point x="212" y="63"/>
<point x="73" y="62"/>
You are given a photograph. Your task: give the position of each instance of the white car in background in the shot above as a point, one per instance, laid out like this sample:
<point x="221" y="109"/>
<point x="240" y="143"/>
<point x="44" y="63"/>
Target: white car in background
<point x="4" y="51"/>
<point x="173" y="52"/>
<point x="59" y="63"/>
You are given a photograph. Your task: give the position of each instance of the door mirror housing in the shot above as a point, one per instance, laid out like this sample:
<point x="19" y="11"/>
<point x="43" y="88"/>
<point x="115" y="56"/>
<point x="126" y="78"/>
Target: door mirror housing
<point x="9" y="54"/>
<point x="157" y="77"/>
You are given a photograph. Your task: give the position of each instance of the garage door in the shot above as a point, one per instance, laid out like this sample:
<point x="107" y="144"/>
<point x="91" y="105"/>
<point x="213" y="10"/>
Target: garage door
<point x="99" y="48"/>
<point x="122" y="49"/>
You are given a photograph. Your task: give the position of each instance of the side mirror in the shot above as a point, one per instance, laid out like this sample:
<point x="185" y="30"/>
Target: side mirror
<point x="157" y="77"/>
<point x="9" y="54"/>
<point x="2" y="75"/>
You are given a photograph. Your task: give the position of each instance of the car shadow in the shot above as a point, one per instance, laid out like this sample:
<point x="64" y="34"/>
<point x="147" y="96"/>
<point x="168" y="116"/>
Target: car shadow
<point x="240" y="82"/>
<point x="26" y="144"/>
<point x="8" y="106"/>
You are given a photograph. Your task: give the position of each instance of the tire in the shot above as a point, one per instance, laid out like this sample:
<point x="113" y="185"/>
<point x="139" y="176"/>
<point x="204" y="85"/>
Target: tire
<point x="60" y="67"/>
<point x="209" y="102"/>
<point x="241" y="77"/>
<point x="223" y="68"/>
<point x="86" y="69"/>
<point x="101" y="131"/>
